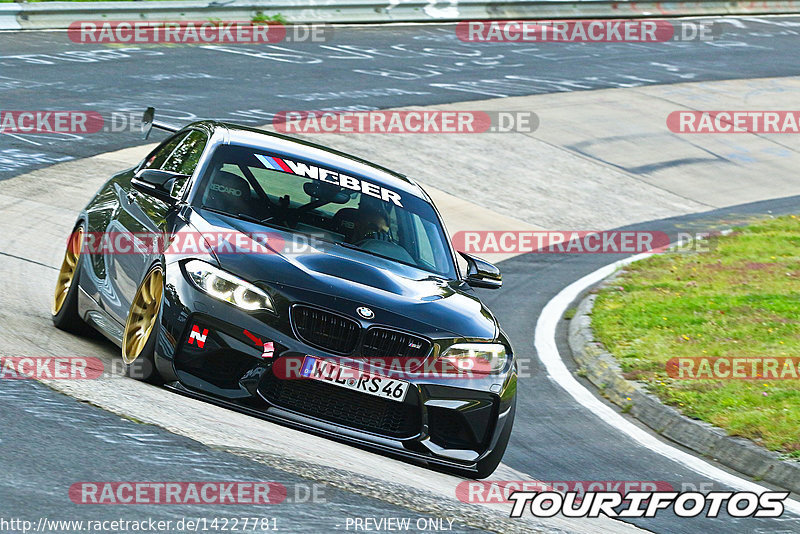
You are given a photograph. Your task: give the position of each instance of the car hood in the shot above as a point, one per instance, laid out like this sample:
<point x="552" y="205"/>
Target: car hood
<point x="344" y="279"/>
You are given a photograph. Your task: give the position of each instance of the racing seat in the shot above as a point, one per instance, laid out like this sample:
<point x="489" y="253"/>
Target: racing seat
<point x="230" y="193"/>
<point x="345" y="222"/>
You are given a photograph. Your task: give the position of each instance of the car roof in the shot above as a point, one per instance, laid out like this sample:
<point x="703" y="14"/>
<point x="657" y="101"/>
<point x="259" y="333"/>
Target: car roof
<point x="318" y="154"/>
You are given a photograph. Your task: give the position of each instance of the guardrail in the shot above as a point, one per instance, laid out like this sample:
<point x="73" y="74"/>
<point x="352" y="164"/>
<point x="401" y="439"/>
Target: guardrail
<point x="40" y="15"/>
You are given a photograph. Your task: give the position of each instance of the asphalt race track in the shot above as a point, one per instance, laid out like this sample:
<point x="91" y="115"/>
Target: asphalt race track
<point x="362" y="68"/>
<point x="50" y="440"/>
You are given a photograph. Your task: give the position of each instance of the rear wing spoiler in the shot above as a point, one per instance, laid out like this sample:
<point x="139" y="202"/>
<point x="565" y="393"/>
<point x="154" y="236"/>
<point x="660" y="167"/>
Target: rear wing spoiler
<point x="149" y="122"/>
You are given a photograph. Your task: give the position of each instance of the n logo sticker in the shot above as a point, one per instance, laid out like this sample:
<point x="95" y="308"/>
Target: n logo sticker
<point x="195" y="335"/>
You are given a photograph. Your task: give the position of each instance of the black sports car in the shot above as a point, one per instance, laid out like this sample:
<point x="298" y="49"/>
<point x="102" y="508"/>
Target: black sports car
<point x="298" y="284"/>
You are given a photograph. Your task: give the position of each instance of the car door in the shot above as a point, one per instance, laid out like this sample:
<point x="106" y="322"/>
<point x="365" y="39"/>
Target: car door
<point x="144" y="215"/>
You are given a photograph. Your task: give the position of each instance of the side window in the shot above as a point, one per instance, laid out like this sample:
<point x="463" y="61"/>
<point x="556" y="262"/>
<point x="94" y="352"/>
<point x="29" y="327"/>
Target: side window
<point x="158" y="156"/>
<point x="184" y="159"/>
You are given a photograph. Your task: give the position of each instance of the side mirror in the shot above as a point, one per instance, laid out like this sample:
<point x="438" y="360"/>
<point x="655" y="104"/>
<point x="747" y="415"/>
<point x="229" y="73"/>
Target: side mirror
<point x="481" y="273"/>
<point x="157" y="183"/>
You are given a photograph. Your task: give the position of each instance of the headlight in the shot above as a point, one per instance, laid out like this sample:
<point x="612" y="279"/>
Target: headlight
<point x="480" y="358"/>
<point x="225" y="286"/>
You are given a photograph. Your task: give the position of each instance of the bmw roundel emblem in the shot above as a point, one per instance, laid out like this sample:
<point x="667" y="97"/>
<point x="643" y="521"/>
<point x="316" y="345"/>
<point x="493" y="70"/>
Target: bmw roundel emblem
<point x="365" y="312"/>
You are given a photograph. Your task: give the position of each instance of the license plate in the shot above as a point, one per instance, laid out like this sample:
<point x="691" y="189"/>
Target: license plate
<point x="354" y="379"/>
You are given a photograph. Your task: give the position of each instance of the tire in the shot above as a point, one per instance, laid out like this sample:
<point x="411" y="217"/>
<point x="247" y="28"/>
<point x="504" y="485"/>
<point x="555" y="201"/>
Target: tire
<point x="64" y="308"/>
<point x="487" y="465"/>
<point x="141" y="328"/>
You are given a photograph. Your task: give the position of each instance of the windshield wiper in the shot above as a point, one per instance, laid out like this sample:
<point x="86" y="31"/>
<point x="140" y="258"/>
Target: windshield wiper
<point x="372" y="253"/>
<point x="349" y="245"/>
<point x="250" y="218"/>
<point x="245" y="217"/>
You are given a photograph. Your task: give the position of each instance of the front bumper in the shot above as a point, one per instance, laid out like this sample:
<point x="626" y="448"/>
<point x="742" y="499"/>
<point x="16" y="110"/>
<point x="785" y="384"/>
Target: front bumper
<point x="213" y="350"/>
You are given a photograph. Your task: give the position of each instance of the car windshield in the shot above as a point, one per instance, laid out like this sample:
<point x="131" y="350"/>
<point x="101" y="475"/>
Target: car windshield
<point x="352" y="211"/>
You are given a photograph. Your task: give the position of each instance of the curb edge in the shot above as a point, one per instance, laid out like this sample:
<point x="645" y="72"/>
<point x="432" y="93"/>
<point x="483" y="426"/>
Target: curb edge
<point x="603" y="371"/>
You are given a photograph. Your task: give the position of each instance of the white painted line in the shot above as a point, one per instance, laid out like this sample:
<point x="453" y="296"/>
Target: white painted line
<point x="545" y="342"/>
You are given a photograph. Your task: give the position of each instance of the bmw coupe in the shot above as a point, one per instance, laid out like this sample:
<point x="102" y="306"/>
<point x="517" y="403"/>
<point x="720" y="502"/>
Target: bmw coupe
<point x="298" y="284"/>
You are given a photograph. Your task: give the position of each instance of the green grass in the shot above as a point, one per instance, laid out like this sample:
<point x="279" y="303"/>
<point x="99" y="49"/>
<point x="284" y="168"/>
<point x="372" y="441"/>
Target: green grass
<point x="740" y="299"/>
<point x="260" y="17"/>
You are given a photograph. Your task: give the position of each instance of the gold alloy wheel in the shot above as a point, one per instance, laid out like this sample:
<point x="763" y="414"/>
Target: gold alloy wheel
<point x="68" y="267"/>
<point x="143" y="315"/>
